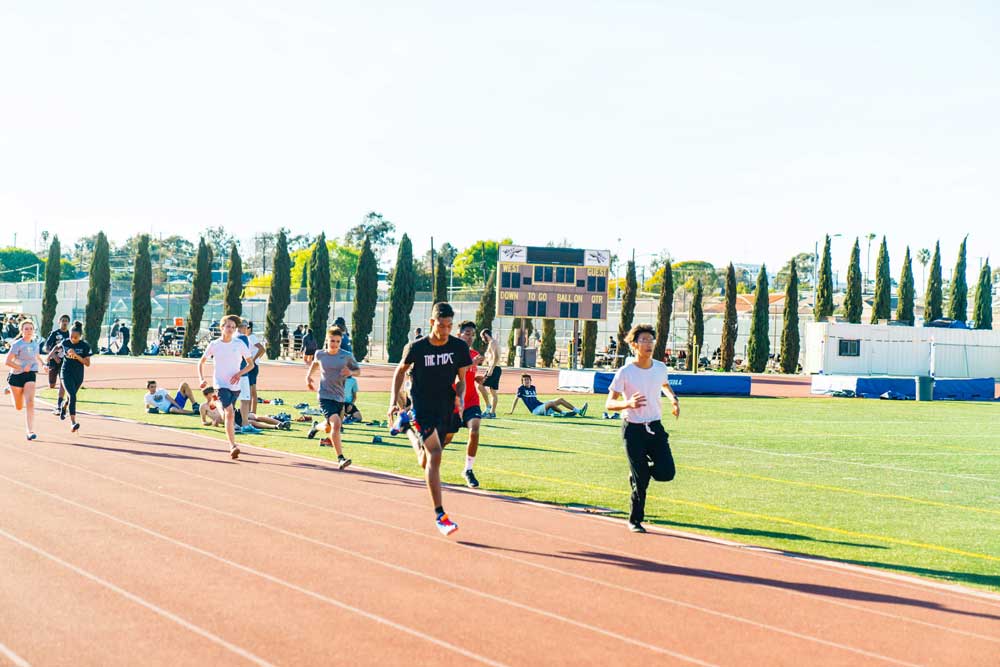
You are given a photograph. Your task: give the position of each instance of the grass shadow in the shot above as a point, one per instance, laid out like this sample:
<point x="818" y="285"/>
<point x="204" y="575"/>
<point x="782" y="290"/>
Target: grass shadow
<point x="753" y="532"/>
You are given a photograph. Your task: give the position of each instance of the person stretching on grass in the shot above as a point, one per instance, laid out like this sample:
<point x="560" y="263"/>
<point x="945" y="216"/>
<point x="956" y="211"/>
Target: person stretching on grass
<point x="529" y="395"/>
<point x="211" y="415"/>
<point x="635" y="390"/>
<point x="227" y="353"/>
<point x="336" y="365"/>
<point x="24" y="361"/>
<point x="160" y="400"/>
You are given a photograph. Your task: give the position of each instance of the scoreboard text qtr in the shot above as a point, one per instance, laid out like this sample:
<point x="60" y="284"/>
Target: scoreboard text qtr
<point x="553" y="283"/>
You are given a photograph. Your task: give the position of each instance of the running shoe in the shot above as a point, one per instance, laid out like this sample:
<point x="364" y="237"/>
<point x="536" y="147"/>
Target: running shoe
<point x="31" y="436"/>
<point x="313" y="431"/>
<point x="234" y="453"/>
<point x="195" y="407"/>
<point x="57" y="410"/>
<point x="326" y="442"/>
<point x="285" y="426"/>
<point x="470" y="480"/>
<point x="636" y="527"/>
<point x="342" y="462"/>
<point x="583" y="411"/>
<point x="301" y="406"/>
<point x="249" y="430"/>
<point x="63" y="411"/>
<point x="445" y="525"/>
<point x="6" y="390"/>
<point x="75" y="427"/>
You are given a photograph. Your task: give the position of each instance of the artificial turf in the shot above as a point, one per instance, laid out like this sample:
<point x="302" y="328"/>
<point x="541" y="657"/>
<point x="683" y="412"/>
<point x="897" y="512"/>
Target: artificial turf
<point x="909" y="487"/>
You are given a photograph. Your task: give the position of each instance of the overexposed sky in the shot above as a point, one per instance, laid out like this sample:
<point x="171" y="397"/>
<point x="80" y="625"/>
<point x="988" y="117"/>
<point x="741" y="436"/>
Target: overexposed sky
<point x="715" y="130"/>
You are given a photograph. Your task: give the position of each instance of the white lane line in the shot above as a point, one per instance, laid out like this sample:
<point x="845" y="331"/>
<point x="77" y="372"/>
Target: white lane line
<point x="18" y="661"/>
<point x="138" y="600"/>
<point x="388" y="565"/>
<point x="262" y="575"/>
<point x="599" y="582"/>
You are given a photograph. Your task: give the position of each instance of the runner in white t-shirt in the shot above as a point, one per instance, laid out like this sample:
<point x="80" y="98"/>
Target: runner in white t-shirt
<point x="258" y="350"/>
<point x="228" y="352"/>
<point x="635" y="390"/>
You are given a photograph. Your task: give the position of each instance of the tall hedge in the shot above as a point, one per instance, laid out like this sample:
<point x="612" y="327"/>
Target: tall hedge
<point x="730" y="324"/>
<point x="201" y="289"/>
<point x="589" y="351"/>
<point x="280" y="296"/>
<point x="823" y="307"/>
<point x="958" y="302"/>
<point x="904" y="294"/>
<point x="487" y="310"/>
<point x="790" y="331"/>
<point x="53" y="274"/>
<point x="628" y="311"/>
<point x="234" y="285"/>
<point x="759" y="345"/>
<point x="853" y="305"/>
<point x="142" y="287"/>
<point x="664" y="312"/>
<point x="882" y="302"/>
<point x="982" y="315"/>
<point x="440" y="281"/>
<point x="401" y="295"/>
<point x="547" y="351"/>
<point x="98" y="291"/>
<point x="365" y="299"/>
<point x="934" y="295"/>
<point x="319" y="288"/>
<point x="696" y="328"/>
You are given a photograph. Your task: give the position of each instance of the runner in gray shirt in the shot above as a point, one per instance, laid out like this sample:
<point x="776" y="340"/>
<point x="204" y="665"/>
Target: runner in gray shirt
<point x="23" y="363"/>
<point x="336" y="365"/>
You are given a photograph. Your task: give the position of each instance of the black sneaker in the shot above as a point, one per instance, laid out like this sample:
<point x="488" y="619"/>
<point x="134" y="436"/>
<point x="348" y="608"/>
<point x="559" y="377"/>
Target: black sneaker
<point x="285" y="426"/>
<point x="63" y="411"/>
<point x="195" y="407"/>
<point x="343" y="463"/>
<point x="312" y="432"/>
<point x="636" y="527"/>
<point x="470" y="480"/>
<point x="76" y="427"/>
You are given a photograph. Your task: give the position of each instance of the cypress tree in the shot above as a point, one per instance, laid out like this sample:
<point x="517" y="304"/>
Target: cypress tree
<point x="759" y="346"/>
<point x="628" y="310"/>
<point x="958" y="304"/>
<point x="142" y="286"/>
<point x="201" y="289"/>
<point x="234" y="286"/>
<point x="904" y="295"/>
<point x="515" y="327"/>
<point x="548" y="348"/>
<point x="319" y="287"/>
<point x="934" y="296"/>
<point x="790" y="331"/>
<point x="487" y="310"/>
<point x="589" y="351"/>
<point x="882" y="303"/>
<point x="53" y="274"/>
<point x="98" y="291"/>
<point x="280" y="296"/>
<point x="365" y="299"/>
<point x="440" y="281"/>
<point x="853" y="306"/>
<point x="824" y="288"/>
<point x="696" y="328"/>
<point x="664" y="312"/>
<point x="730" y="323"/>
<point x="982" y="316"/>
<point x="401" y="300"/>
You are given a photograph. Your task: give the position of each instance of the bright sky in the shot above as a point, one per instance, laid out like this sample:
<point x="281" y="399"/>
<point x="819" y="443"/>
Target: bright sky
<point x="715" y="130"/>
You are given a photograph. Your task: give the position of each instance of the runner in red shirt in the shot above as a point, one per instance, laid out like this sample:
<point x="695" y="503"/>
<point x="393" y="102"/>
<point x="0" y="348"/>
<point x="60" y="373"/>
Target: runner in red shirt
<point x="471" y="416"/>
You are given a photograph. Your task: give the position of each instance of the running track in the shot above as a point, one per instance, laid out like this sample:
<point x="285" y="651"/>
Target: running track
<point x="132" y="544"/>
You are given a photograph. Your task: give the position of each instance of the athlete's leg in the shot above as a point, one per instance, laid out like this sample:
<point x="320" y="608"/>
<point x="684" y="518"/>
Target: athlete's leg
<point x="264" y="419"/>
<point x="432" y="471"/>
<point x="185" y="391"/>
<point x="334" y="422"/>
<point x="418" y="447"/>
<point x="662" y="469"/>
<point x="563" y="403"/>
<point x="29" y="406"/>
<point x="245" y="411"/>
<point x="72" y="387"/>
<point x="635" y="436"/>
<point x="553" y="405"/>
<point x="230" y="416"/>
<point x="473" y="446"/>
<point x="253" y="394"/>
<point x="17" y="397"/>
<point x="493" y="400"/>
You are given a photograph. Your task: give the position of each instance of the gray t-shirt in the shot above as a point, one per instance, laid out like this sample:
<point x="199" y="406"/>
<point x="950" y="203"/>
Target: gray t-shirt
<point x="25" y="353"/>
<point x="331" y="382"/>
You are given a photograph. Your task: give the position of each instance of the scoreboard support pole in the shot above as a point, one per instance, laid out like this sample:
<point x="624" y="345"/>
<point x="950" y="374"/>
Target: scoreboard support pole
<point x="573" y="346"/>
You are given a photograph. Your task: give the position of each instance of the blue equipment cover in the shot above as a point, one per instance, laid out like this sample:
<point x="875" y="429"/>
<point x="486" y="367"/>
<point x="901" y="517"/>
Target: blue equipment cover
<point x="689" y="384"/>
<point x="874" y="387"/>
<point x="972" y="389"/>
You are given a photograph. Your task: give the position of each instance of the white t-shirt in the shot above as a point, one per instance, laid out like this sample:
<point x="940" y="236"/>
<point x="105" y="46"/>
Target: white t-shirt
<point x="227" y="358"/>
<point x="254" y="342"/>
<point x="158" y="400"/>
<point x="647" y="381"/>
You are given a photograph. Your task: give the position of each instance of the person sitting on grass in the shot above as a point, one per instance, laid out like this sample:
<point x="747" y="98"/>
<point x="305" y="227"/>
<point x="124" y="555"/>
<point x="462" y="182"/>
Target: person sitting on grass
<point x="211" y="415"/>
<point x="527" y="393"/>
<point x="161" y="400"/>
<point x="351" y="413"/>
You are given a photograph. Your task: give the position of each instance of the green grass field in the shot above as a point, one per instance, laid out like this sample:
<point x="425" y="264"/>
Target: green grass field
<point x="909" y="487"/>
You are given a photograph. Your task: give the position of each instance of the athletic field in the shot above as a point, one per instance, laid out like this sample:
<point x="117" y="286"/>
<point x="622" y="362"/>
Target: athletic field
<point x="909" y="487"/>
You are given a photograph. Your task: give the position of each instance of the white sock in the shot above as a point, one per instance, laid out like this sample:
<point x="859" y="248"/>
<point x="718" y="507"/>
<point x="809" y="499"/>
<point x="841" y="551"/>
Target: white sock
<point x="469" y="460"/>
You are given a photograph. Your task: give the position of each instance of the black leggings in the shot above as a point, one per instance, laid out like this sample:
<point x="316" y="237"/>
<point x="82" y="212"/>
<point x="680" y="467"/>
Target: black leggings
<point x="648" y="449"/>
<point x="72" y="383"/>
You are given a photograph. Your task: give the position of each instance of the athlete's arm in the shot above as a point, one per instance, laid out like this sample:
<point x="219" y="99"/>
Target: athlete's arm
<point x="397" y="384"/>
<point x="260" y="351"/>
<point x="617" y="401"/>
<point x="11" y="360"/>
<point x="514" y="404"/>
<point x="675" y="406"/>
<point x="201" y="367"/>
<point x="460" y="387"/>
<point x="309" y="374"/>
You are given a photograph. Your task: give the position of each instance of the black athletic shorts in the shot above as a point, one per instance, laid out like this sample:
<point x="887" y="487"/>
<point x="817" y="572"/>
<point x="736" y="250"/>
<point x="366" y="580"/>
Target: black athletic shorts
<point x="493" y="379"/>
<point x="252" y="375"/>
<point x="20" y="379"/>
<point x="429" y="423"/>
<point x="471" y="413"/>
<point x="330" y="407"/>
<point x="350" y="409"/>
<point x="228" y="397"/>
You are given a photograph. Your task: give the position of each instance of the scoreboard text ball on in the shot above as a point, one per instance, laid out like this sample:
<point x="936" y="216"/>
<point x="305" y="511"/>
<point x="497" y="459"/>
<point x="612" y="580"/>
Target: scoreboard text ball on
<point x="553" y="283"/>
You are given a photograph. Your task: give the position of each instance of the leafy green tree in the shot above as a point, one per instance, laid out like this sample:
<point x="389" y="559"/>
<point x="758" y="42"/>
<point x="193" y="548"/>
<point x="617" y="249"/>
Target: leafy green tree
<point x="343" y="263"/>
<point x="279" y="297"/>
<point x="904" y="295"/>
<point x="440" y="281"/>
<point x="696" y="328"/>
<point x="882" y="303"/>
<point x="628" y="308"/>
<point x="823" y="307"/>
<point x="379" y="231"/>
<point x="98" y="292"/>
<point x="804" y="262"/>
<point x="201" y="289"/>
<point x="319" y="288"/>
<point x="790" y="332"/>
<point x="401" y="295"/>
<point x="18" y="265"/>
<point x="548" y="347"/>
<point x="487" y="311"/>
<point x="982" y="315"/>
<point x="142" y="288"/>
<point x="365" y="300"/>
<point x="730" y="324"/>
<point x="664" y="311"/>
<point x="53" y="274"/>
<point x="477" y="261"/>
<point x="219" y="241"/>
<point x="234" y="285"/>
<point x="958" y="303"/>
<point x="759" y="345"/>
<point x="934" y="295"/>
<point x="689" y="271"/>
<point x="515" y="327"/>
<point x="589" y="348"/>
<point x="853" y="306"/>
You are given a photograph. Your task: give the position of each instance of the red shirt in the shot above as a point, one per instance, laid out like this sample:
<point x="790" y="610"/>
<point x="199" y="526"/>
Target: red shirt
<point x="471" y="392"/>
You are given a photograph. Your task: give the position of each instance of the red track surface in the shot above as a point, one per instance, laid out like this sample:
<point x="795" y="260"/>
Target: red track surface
<point x="132" y="544"/>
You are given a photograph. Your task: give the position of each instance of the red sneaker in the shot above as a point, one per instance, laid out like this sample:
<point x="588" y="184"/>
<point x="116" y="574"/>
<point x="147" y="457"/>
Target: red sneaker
<point x="445" y="525"/>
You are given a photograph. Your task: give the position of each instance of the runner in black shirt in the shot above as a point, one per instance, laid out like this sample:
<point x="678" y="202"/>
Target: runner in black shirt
<point x="439" y="363"/>
<point x="53" y="348"/>
<point x="77" y="356"/>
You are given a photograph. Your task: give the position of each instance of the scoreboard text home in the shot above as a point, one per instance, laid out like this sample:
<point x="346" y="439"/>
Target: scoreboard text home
<point x="553" y="283"/>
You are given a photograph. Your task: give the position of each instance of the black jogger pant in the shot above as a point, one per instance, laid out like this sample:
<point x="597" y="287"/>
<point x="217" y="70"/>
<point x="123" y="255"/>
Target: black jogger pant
<point x="648" y="449"/>
<point x="72" y="383"/>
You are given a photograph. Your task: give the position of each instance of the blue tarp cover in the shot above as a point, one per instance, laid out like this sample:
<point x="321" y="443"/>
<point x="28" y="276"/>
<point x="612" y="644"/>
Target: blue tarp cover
<point x="971" y="389"/>
<point x="689" y="384"/>
<point x="874" y="387"/>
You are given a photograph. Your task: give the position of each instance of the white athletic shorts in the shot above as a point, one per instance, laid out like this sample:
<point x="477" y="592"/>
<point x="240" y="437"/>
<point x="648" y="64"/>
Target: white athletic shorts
<point x="244" y="388"/>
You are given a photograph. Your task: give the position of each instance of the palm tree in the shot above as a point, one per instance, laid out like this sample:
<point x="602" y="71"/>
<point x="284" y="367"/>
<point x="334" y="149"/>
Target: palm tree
<point x="924" y="257"/>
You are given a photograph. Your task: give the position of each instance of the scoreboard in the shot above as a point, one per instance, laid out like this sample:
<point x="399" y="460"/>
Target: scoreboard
<point x="553" y="283"/>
